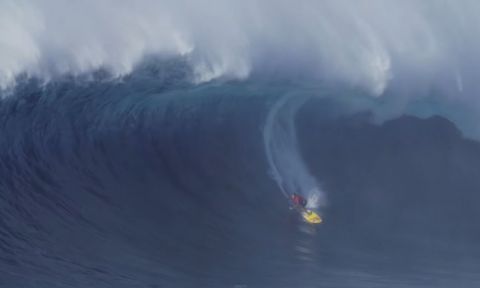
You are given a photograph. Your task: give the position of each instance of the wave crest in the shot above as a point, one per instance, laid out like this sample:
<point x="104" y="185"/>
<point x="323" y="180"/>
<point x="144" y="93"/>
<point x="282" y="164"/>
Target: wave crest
<point x="367" y="44"/>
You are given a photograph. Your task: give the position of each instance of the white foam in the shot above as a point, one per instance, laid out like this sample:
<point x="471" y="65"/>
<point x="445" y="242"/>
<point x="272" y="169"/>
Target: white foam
<point x="369" y="43"/>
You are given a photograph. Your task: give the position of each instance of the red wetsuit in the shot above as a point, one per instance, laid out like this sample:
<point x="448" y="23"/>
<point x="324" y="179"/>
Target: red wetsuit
<point x="299" y="200"/>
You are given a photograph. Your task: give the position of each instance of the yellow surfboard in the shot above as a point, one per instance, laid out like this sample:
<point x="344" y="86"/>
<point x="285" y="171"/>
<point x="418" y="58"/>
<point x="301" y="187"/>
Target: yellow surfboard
<point x="311" y="217"/>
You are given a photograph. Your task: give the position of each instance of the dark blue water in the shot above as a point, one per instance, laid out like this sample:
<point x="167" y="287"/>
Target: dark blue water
<point x="155" y="182"/>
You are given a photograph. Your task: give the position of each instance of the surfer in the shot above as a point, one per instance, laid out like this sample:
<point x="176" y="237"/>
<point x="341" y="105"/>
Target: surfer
<point x="300" y="204"/>
<point x="298" y="200"/>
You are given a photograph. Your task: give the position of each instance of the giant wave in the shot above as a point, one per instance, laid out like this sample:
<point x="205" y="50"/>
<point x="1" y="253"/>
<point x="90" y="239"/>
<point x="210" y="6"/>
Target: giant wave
<point x="148" y="144"/>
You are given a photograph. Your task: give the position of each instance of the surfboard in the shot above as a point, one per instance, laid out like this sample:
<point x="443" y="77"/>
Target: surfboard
<point x="308" y="215"/>
<point x="311" y="217"/>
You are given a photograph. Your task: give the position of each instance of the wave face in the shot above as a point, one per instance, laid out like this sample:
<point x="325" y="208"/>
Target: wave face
<point x="156" y="182"/>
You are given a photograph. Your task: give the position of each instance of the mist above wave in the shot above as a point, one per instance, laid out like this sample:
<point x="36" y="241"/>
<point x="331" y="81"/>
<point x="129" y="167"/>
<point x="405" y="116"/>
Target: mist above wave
<point x="367" y="44"/>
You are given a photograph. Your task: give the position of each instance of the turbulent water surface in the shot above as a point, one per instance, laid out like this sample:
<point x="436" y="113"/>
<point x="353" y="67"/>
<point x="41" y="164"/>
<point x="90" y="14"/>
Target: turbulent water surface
<point x="157" y="144"/>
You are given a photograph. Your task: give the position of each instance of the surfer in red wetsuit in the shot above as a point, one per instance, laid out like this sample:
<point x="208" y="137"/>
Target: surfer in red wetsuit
<point x="298" y="200"/>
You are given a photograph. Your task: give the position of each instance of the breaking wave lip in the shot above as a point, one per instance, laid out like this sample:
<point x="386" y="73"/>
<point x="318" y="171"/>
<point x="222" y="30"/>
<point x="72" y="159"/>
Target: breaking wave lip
<point x="365" y="44"/>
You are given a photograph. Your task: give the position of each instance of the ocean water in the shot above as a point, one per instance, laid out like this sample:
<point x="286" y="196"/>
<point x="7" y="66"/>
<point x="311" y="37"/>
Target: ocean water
<point x="157" y="143"/>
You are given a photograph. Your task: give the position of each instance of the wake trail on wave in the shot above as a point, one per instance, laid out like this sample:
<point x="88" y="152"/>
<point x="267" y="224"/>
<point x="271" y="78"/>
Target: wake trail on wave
<point x="284" y="158"/>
